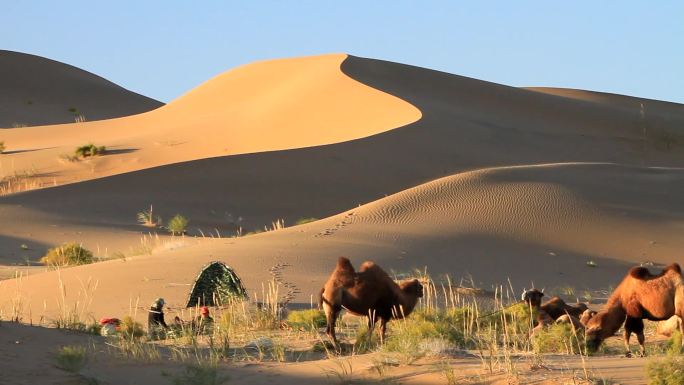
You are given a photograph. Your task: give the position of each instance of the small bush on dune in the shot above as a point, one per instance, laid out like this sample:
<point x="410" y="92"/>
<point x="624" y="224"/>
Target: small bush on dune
<point x="306" y="319"/>
<point x="130" y="329"/>
<point x="147" y="218"/>
<point x="202" y="374"/>
<point x="302" y="221"/>
<point x="178" y="225"/>
<point x="90" y="150"/>
<point x="2" y="147"/>
<point x="71" y="358"/>
<point x="66" y="255"/>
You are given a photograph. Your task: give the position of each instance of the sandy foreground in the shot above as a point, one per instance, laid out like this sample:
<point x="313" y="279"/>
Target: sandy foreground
<point x="24" y="349"/>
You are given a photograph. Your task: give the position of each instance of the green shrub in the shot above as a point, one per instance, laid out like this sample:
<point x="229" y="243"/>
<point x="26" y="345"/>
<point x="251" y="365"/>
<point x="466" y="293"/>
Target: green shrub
<point x="302" y="221"/>
<point x="130" y="329"/>
<point x="178" y="225"/>
<point x="426" y="332"/>
<point x="2" y="147"/>
<point x="147" y="218"/>
<point x="674" y="344"/>
<point x="668" y="371"/>
<point x="68" y="254"/>
<point x="558" y="338"/>
<point x="202" y="374"/>
<point x="90" y="150"/>
<point x="71" y="358"/>
<point x="306" y="319"/>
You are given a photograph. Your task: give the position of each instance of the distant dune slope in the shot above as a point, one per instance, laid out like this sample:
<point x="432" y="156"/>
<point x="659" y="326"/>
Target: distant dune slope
<point x="528" y="224"/>
<point x="650" y="106"/>
<point x="37" y="91"/>
<point x="465" y="124"/>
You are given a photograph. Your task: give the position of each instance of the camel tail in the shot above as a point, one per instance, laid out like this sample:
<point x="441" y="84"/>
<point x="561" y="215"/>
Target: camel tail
<point x="320" y="298"/>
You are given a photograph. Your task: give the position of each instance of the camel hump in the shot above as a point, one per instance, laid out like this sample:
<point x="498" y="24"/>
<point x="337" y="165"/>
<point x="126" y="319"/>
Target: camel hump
<point x="673" y="267"/>
<point x="344" y="264"/>
<point x="639" y="272"/>
<point x="368" y="265"/>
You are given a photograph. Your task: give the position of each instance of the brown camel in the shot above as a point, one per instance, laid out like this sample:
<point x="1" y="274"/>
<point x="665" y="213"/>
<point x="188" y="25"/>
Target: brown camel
<point x="554" y="309"/>
<point x="369" y="292"/>
<point x="639" y="296"/>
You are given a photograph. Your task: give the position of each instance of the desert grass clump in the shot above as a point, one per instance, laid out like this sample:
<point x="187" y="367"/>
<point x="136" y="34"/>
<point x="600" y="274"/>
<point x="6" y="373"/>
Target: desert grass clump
<point x="674" y="344"/>
<point x="200" y="374"/>
<point x="667" y="371"/>
<point x="311" y="319"/>
<point x="302" y="221"/>
<point x="558" y="338"/>
<point x="68" y="254"/>
<point x="71" y="358"/>
<point x="2" y="147"/>
<point x="147" y="218"/>
<point x="130" y="329"/>
<point x="425" y="333"/>
<point x="89" y="150"/>
<point x="178" y="225"/>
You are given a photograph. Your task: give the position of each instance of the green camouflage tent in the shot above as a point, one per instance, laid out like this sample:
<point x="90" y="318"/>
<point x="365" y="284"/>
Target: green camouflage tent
<point x="216" y="284"/>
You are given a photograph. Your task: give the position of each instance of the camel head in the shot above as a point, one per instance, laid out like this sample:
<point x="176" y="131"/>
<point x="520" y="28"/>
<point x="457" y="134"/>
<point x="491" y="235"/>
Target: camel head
<point x="412" y="288"/>
<point x="533" y="297"/>
<point x="601" y="326"/>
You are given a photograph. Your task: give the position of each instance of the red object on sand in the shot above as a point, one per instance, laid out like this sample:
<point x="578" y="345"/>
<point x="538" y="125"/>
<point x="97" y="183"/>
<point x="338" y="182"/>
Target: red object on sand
<point x="105" y="320"/>
<point x="204" y="310"/>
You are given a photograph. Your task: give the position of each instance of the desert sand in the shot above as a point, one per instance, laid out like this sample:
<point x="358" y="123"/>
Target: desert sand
<point x="409" y="167"/>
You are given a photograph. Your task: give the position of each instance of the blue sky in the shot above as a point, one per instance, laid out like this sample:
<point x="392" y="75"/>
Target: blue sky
<point x="164" y="48"/>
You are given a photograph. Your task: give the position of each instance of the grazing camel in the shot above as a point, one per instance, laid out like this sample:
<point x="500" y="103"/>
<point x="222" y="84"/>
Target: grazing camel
<point x="641" y="295"/>
<point x="369" y="292"/>
<point x="555" y="309"/>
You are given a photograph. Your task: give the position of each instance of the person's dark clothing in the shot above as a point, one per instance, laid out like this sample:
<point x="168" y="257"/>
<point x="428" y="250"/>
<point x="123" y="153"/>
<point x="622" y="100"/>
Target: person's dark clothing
<point x="155" y="318"/>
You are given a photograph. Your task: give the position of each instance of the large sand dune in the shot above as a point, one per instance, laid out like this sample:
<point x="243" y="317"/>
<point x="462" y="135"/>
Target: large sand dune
<point x="37" y="91"/>
<point x="531" y="224"/>
<point x="265" y="106"/>
<point x="465" y="124"/>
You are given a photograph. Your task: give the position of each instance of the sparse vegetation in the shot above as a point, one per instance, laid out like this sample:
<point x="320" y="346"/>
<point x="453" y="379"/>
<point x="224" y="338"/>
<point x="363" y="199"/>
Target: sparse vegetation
<point x="2" y="147"/>
<point x="89" y="150"/>
<point x="667" y="371"/>
<point x="311" y="319"/>
<point x="71" y="358"/>
<point x="67" y="255"/>
<point x="200" y="374"/>
<point x="177" y="225"/>
<point x="302" y="221"/>
<point x="558" y="338"/>
<point x="130" y="329"/>
<point x="147" y="218"/>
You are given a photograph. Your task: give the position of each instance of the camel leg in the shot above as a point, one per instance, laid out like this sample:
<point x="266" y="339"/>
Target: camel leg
<point x="383" y="330"/>
<point x="331" y="313"/>
<point x="636" y="326"/>
<point x="642" y="339"/>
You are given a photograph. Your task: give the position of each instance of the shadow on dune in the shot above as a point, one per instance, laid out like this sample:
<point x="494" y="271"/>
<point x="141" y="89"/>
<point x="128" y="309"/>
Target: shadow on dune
<point x="20" y="251"/>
